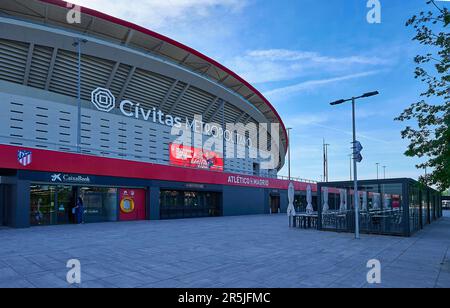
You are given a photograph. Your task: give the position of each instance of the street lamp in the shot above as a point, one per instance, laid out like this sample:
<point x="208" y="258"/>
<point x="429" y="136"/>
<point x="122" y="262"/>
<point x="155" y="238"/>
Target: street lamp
<point x="378" y="164"/>
<point x="325" y="161"/>
<point x="384" y="172"/>
<point x="355" y="173"/>
<point x="77" y="44"/>
<point x="289" y="152"/>
<point x="350" y="155"/>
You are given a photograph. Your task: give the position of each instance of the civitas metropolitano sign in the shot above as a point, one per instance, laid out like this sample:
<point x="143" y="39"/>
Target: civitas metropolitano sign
<point x="105" y="101"/>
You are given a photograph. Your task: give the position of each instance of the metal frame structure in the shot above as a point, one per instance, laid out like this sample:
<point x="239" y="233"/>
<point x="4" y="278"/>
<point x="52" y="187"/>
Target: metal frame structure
<point x="406" y="185"/>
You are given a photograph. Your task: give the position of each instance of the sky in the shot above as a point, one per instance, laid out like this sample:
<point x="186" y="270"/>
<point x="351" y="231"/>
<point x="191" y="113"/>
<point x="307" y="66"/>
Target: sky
<point x="303" y="54"/>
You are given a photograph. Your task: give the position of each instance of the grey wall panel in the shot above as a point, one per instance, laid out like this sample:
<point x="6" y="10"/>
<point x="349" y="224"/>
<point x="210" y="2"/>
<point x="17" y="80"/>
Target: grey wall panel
<point x="30" y="120"/>
<point x="100" y="58"/>
<point x="18" y="208"/>
<point x="253" y="203"/>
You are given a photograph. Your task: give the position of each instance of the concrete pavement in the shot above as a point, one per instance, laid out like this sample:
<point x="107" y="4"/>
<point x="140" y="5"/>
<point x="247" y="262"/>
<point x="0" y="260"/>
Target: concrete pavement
<point x="247" y="251"/>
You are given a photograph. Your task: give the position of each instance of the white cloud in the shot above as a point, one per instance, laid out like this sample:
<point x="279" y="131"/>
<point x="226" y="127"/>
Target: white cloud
<point x="158" y="14"/>
<point x="270" y="65"/>
<point x="311" y="84"/>
<point x="305" y="119"/>
<point x="294" y="55"/>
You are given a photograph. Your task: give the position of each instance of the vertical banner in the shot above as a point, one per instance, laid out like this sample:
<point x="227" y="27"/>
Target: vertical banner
<point x="190" y="157"/>
<point x="132" y="204"/>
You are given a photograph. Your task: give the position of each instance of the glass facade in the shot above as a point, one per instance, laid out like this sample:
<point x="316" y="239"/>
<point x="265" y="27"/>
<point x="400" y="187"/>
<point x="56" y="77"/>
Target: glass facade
<point x="186" y="204"/>
<point x="392" y="207"/>
<point x="415" y="218"/>
<point x="100" y="204"/>
<point x="52" y="205"/>
<point x="300" y="202"/>
<point x="43" y="209"/>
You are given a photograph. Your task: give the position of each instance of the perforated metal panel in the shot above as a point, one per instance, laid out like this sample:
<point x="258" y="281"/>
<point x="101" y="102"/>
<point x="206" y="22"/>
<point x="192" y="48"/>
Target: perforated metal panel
<point x="13" y="60"/>
<point x="46" y="124"/>
<point x="40" y="66"/>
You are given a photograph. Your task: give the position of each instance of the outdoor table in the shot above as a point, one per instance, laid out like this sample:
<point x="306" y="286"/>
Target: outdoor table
<point x="306" y="221"/>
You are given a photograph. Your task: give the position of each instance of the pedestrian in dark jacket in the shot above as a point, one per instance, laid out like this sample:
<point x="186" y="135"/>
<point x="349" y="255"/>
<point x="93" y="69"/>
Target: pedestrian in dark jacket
<point x="79" y="211"/>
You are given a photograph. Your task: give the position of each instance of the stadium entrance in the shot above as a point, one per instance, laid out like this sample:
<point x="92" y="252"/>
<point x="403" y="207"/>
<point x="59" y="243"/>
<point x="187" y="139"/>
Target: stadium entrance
<point x="54" y="204"/>
<point x="188" y="204"/>
<point x="274" y="204"/>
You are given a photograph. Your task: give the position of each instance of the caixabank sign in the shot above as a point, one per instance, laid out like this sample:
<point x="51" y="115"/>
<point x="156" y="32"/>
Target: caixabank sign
<point x="70" y="178"/>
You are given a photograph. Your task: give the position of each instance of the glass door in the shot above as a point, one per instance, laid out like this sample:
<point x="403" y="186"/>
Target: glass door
<point x="66" y="201"/>
<point x="43" y="211"/>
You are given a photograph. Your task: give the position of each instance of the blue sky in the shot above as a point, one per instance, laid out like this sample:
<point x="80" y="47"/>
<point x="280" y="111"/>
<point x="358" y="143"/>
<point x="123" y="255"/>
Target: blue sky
<point x="302" y="54"/>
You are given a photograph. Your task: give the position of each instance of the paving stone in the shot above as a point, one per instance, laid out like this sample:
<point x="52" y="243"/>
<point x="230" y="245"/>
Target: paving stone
<point x="236" y="252"/>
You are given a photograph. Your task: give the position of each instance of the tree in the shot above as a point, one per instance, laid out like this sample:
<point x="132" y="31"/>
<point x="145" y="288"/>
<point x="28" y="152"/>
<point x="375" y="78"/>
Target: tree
<point x="430" y="137"/>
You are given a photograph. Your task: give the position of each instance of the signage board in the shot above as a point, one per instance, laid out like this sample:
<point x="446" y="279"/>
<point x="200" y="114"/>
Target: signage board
<point x="190" y="157"/>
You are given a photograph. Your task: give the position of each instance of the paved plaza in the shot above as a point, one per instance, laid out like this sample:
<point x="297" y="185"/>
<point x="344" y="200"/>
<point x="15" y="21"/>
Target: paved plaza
<point x="247" y="251"/>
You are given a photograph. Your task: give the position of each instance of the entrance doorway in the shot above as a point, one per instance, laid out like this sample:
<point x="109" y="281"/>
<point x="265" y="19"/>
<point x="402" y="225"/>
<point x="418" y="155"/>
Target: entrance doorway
<point x="189" y="204"/>
<point x="274" y="204"/>
<point x="66" y="201"/>
<point x="52" y="205"/>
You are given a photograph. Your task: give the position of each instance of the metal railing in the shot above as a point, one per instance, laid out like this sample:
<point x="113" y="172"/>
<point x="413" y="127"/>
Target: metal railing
<point x="387" y="221"/>
<point x="296" y="179"/>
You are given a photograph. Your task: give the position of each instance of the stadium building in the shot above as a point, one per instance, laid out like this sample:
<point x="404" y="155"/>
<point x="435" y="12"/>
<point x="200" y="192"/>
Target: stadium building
<point x="88" y="108"/>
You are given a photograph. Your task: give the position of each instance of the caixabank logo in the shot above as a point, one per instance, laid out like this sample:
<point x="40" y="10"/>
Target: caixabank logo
<point x="103" y="99"/>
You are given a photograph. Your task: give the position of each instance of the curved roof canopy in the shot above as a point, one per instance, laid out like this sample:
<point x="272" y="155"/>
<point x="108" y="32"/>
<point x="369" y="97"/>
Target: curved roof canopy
<point x="129" y="34"/>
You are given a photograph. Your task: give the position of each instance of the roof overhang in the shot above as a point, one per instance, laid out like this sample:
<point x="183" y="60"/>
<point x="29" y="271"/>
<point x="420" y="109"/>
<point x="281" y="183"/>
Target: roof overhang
<point x="122" y="32"/>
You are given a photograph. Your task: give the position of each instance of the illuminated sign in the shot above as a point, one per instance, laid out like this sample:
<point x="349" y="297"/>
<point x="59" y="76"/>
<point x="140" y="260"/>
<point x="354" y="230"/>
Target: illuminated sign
<point x="187" y="156"/>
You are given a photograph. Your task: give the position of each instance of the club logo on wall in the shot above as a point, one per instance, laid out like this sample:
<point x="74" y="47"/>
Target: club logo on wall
<point x="24" y="157"/>
<point x="127" y="203"/>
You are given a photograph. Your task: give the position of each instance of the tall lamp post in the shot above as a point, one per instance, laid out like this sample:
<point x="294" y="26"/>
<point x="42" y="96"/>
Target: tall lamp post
<point x="289" y="152"/>
<point x="384" y="172"/>
<point x="356" y="155"/>
<point x="325" y="161"/>
<point x="350" y="155"/>
<point x="77" y="44"/>
<point x="378" y="165"/>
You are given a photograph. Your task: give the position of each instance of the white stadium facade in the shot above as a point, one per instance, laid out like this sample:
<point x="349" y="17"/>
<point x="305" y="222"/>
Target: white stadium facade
<point x="136" y="124"/>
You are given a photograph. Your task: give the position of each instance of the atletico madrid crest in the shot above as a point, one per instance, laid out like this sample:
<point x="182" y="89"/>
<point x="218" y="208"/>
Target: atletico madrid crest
<point x="24" y="157"/>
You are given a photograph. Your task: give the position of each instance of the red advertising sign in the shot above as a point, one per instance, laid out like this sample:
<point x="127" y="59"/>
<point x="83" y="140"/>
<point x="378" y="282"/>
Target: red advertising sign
<point x="186" y="156"/>
<point x="132" y="204"/>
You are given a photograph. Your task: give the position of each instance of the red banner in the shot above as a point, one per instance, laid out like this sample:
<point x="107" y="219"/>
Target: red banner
<point x="191" y="157"/>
